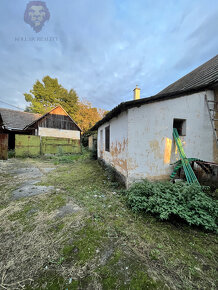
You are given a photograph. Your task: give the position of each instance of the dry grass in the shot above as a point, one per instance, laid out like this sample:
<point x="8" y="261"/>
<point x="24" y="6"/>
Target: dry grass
<point x="100" y="245"/>
<point x="28" y="243"/>
<point x="29" y="239"/>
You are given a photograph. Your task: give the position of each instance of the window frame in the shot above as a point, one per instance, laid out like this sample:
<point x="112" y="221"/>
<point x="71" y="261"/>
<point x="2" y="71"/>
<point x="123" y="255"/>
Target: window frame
<point x="183" y="125"/>
<point x="101" y="140"/>
<point x="107" y="138"/>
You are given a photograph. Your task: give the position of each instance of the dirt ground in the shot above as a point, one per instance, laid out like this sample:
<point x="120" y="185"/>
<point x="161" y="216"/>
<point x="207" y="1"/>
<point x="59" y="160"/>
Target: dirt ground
<point x="65" y="225"/>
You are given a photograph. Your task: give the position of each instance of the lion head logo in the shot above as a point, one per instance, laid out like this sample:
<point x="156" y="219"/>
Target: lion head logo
<point x="36" y="14"/>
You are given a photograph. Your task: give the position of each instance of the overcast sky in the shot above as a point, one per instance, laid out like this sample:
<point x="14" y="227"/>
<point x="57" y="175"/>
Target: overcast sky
<point x="103" y="48"/>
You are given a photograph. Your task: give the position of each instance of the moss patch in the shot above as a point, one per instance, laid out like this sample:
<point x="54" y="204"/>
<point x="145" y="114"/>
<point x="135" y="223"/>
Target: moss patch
<point x="122" y="271"/>
<point x="103" y="246"/>
<point x="85" y="243"/>
<point x="52" y="281"/>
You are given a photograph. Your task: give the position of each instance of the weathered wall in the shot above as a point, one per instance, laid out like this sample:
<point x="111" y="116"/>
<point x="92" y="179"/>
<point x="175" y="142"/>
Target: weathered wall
<point x="90" y="142"/>
<point x="151" y="145"/>
<point x="118" y="155"/>
<point x="141" y="140"/>
<point x="3" y="146"/>
<point x="51" y="132"/>
<point x="27" y="145"/>
<point x="52" y="145"/>
<point x="215" y="148"/>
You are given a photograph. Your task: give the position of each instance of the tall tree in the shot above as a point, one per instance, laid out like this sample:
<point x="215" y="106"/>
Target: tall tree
<point x="48" y="94"/>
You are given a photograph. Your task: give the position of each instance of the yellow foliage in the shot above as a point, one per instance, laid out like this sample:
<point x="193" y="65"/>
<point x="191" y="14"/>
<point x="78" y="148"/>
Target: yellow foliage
<point x="86" y="116"/>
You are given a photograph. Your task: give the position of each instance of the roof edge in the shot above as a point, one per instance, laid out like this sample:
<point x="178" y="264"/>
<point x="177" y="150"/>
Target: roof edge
<point x="156" y="98"/>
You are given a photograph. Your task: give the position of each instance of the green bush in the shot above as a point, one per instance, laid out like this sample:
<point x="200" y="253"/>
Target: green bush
<point x="165" y="199"/>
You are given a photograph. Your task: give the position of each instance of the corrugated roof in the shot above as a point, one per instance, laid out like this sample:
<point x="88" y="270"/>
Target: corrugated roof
<point x="17" y="120"/>
<point x="203" y="77"/>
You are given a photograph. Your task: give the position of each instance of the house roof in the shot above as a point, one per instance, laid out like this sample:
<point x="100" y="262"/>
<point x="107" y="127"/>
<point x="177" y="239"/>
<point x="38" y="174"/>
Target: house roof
<point x="42" y="116"/>
<point x="16" y="120"/>
<point x="203" y="77"/>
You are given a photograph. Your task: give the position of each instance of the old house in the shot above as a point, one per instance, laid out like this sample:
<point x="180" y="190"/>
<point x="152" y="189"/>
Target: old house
<point x="56" y="123"/>
<point x="136" y="136"/>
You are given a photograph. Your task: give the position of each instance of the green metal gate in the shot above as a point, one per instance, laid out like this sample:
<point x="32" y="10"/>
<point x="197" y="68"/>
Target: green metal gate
<point x="27" y="145"/>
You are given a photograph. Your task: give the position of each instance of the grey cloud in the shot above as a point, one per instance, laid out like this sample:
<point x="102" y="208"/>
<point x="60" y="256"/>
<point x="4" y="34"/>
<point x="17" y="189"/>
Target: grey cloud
<point x="105" y="48"/>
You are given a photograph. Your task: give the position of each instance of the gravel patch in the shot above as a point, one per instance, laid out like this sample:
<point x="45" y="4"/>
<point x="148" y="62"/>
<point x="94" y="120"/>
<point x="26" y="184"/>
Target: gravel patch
<point x="31" y="190"/>
<point x="26" y="173"/>
<point x="47" y="170"/>
<point x="28" y="177"/>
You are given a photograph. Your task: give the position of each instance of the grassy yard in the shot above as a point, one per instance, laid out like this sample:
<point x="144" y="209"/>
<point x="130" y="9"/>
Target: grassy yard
<point x="81" y="235"/>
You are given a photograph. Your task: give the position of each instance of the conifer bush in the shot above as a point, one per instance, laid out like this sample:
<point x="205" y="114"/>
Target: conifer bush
<point x="165" y="199"/>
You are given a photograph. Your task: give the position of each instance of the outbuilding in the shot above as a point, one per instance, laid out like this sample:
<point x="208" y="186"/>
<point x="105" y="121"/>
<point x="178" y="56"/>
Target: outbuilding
<point x="56" y="128"/>
<point x="13" y="122"/>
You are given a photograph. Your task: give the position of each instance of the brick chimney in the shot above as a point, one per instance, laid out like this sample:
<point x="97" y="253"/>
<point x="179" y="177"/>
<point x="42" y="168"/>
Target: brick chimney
<point x="136" y="93"/>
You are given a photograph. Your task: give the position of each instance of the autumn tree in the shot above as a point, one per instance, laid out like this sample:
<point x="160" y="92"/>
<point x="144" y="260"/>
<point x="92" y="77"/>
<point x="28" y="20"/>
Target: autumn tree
<point x="102" y="113"/>
<point x="48" y="94"/>
<point x="87" y="116"/>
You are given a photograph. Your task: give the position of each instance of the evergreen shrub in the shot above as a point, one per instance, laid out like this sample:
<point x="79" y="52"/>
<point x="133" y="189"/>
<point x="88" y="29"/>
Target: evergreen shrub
<point x="165" y="200"/>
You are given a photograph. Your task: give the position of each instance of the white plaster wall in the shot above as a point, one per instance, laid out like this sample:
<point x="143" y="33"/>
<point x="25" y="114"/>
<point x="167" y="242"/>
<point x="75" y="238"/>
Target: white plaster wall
<point x="51" y="132"/>
<point x="118" y="155"/>
<point x="149" y="126"/>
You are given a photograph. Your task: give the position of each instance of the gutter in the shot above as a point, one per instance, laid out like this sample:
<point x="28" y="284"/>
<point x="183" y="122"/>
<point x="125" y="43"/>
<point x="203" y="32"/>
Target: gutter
<point x="12" y="129"/>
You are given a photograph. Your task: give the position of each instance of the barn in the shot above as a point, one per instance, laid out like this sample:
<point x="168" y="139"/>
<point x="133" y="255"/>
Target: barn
<point x="13" y="122"/>
<point x="55" y="124"/>
<point x="136" y="137"/>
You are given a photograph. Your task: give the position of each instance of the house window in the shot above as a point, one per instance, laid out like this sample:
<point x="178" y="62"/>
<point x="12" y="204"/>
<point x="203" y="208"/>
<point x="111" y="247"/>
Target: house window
<point x="180" y="125"/>
<point x="101" y="140"/>
<point x="107" y="138"/>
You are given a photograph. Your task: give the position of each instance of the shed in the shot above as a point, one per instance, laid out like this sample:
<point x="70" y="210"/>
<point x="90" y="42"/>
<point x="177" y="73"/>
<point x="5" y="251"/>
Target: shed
<point x="55" y="123"/>
<point x="92" y="140"/>
<point x="13" y="122"/>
